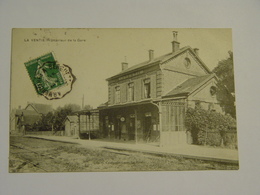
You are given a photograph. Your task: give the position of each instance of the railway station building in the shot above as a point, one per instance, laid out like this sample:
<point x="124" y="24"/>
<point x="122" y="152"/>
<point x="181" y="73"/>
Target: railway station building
<point x="147" y="101"/>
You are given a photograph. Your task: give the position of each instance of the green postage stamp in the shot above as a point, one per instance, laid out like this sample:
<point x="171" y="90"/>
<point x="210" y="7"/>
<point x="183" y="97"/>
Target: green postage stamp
<point x="50" y="79"/>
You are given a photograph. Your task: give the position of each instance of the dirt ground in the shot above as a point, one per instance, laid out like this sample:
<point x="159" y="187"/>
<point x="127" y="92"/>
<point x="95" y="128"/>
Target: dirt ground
<point x="36" y="155"/>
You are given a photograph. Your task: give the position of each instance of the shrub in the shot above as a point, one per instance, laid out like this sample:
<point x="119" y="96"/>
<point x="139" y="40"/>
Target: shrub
<point x="210" y="128"/>
<point x="212" y="138"/>
<point x="230" y="139"/>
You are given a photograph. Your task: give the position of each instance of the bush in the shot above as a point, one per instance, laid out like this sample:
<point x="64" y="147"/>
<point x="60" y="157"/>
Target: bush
<point x="230" y="139"/>
<point x="210" y="128"/>
<point x="209" y="138"/>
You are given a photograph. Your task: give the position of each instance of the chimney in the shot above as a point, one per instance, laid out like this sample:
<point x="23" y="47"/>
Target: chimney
<point x="124" y="66"/>
<point x="175" y="43"/>
<point x="196" y="50"/>
<point x="151" y="52"/>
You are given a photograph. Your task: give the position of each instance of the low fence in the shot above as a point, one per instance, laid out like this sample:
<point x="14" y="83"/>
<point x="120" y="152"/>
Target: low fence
<point x="55" y="133"/>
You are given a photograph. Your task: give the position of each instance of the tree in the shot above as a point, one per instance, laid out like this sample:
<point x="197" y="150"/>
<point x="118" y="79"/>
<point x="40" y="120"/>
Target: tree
<point x="61" y="113"/>
<point x="55" y="120"/>
<point x="72" y="107"/>
<point x="226" y="87"/>
<point x="225" y="72"/>
<point x="45" y="123"/>
<point x="87" y="107"/>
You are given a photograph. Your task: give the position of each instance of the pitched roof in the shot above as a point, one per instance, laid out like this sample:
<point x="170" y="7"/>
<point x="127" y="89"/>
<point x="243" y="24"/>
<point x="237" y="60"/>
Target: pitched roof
<point x="73" y="119"/>
<point x="41" y="108"/>
<point x="27" y="117"/>
<point x="30" y="119"/>
<point x="103" y="105"/>
<point x="189" y="85"/>
<point x="158" y="60"/>
<point x="26" y="112"/>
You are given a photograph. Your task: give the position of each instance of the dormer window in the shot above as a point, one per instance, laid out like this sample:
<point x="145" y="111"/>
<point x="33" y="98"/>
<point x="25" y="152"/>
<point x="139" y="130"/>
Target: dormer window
<point x="147" y="88"/>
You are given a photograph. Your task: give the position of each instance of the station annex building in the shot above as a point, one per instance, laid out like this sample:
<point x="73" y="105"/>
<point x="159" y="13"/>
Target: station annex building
<point x="147" y="102"/>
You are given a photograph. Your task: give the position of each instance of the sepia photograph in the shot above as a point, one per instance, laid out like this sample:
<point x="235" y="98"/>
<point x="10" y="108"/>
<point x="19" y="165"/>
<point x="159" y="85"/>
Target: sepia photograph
<point x="122" y="100"/>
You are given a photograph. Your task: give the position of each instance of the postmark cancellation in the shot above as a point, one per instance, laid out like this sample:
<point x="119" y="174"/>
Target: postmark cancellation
<point x="50" y="78"/>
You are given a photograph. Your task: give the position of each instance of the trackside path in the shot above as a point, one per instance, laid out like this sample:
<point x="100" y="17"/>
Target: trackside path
<point x="187" y="151"/>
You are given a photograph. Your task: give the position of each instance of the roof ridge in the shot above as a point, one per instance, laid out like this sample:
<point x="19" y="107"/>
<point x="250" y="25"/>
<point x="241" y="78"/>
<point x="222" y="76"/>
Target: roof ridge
<point x="40" y="108"/>
<point x="147" y="62"/>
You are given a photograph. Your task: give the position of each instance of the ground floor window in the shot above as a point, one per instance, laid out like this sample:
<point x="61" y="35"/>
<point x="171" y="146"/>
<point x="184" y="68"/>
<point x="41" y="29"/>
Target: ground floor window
<point x="173" y="117"/>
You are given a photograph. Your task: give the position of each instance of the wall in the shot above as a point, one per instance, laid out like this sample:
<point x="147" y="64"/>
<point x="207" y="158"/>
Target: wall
<point x="171" y="80"/>
<point x="67" y="128"/>
<point x="87" y="123"/>
<point x="174" y="72"/>
<point x="172" y="124"/>
<point x="203" y="93"/>
<point x="177" y="64"/>
<point x="151" y="72"/>
<point x="57" y="133"/>
<point x="134" y="122"/>
<point x="207" y="101"/>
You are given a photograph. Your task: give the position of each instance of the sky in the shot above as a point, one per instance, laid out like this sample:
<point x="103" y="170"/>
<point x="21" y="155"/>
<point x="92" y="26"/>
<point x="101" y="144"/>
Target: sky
<point x="96" y="54"/>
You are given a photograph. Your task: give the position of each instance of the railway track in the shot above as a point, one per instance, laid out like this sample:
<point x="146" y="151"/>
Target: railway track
<point x="25" y="160"/>
<point x="29" y="155"/>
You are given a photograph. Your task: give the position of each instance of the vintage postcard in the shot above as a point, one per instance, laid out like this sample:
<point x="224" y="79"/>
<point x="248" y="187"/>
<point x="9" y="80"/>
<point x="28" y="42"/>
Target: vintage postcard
<point x="108" y="100"/>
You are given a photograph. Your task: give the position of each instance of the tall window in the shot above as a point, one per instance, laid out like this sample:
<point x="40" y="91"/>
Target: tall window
<point x="173" y="118"/>
<point x="147" y="88"/>
<point x="117" y="94"/>
<point x="131" y="92"/>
